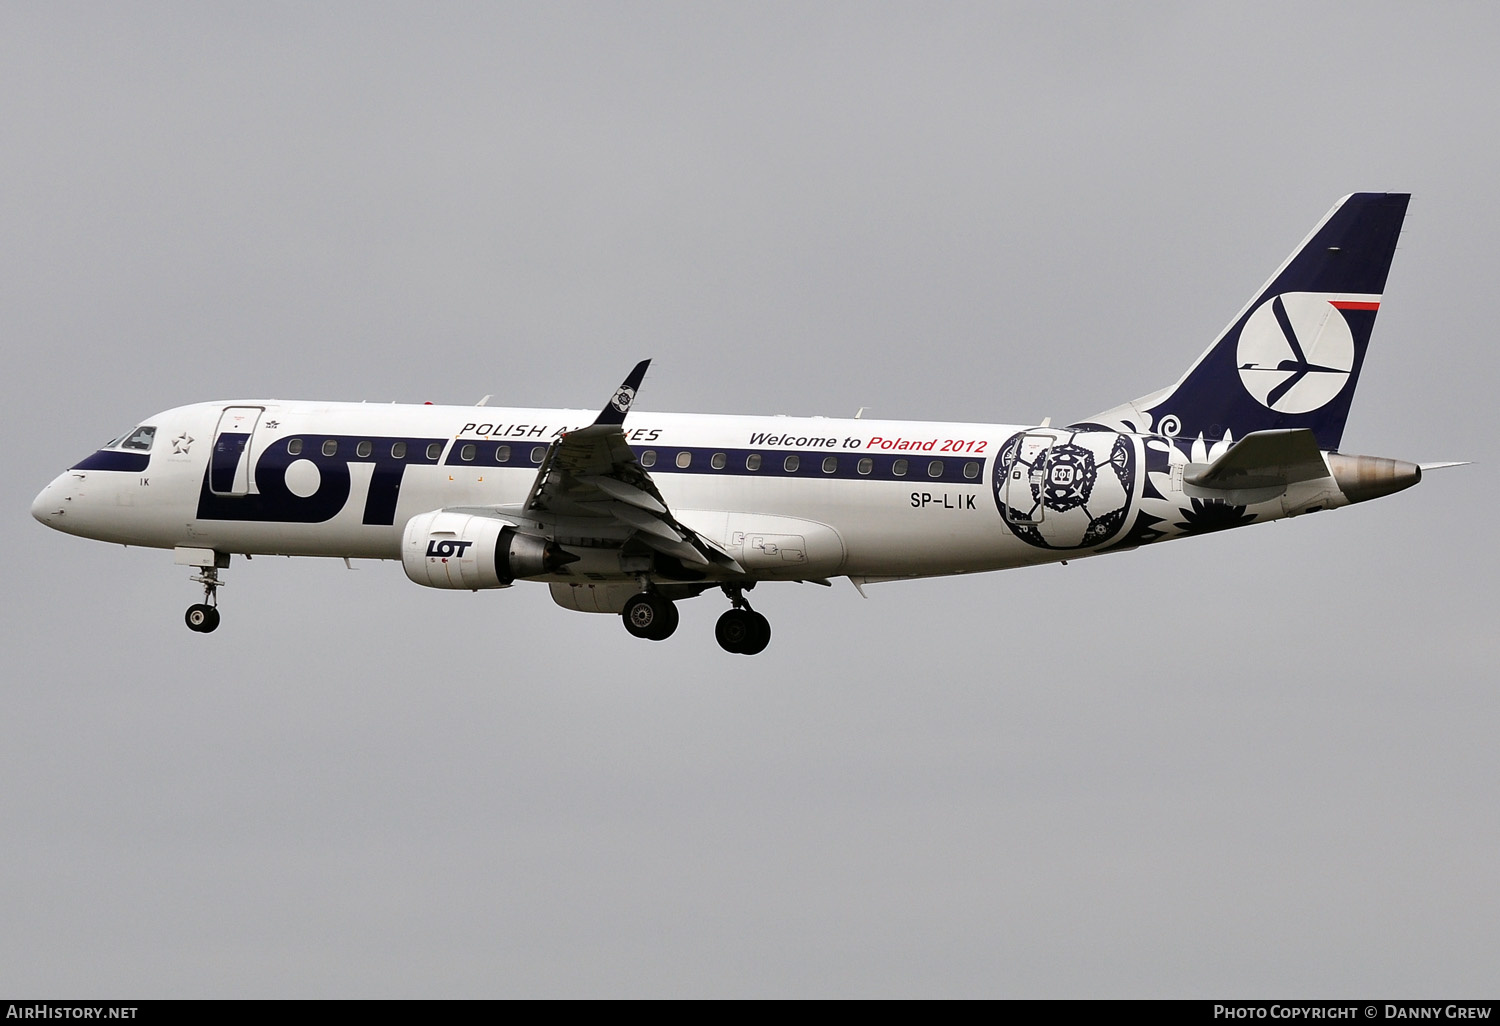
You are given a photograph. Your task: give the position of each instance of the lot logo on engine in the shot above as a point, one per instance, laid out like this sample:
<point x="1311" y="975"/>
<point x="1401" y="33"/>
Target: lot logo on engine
<point x="447" y="549"/>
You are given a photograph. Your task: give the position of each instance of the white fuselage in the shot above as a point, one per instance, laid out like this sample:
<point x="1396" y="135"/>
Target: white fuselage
<point x="868" y="499"/>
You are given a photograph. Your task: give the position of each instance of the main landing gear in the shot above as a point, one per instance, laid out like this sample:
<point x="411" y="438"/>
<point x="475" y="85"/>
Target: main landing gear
<point x="203" y="616"/>
<point x="653" y="616"/>
<point x="650" y="616"/>
<point x="742" y="630"/>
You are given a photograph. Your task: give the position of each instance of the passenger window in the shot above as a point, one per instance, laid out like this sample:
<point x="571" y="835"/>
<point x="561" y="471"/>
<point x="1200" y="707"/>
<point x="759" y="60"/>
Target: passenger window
<point x="752" y="462"/>
<point x="792" y="463"/>
<point x="139" y="439"/>
<point x="935" y="468"/>
<point x="537" y="453"/>
<point x="398" y="450"/>
<point x="434" y="450"/>
<point x="684" y="459"/>
<point x="294" y="447"/>
<point x="330" y="447"/>
<point x="830" y="464"/>
<point x="899" y="468"/>
<point x="971" y="470"/>
<point x="866" y="465"/>
<point x="719" y="462"/>
<point x="502" y="454"/>
<point x="467" y="453"/>
<point x="363" y="449"/>
<point x="648" y="458"/>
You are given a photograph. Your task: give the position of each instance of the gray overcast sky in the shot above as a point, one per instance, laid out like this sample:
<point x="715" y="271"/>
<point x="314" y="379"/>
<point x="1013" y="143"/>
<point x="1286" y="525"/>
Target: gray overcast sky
<point x="1255" y="764"/>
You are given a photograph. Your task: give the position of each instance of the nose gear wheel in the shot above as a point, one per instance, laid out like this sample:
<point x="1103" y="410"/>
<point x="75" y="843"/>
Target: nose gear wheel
<point x="203" y="617"/>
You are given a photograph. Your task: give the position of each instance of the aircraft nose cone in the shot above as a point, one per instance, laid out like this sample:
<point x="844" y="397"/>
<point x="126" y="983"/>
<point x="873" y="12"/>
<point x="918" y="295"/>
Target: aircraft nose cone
<point x="45" y="504"/>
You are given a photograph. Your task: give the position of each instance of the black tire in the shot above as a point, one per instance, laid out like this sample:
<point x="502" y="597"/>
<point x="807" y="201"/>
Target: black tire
<point x="199" y="616"/>
<point x="733" y="630"/>
<point x="667" y="624"/>
<point x="760" y="635"/>
<point x="649" y="616"/>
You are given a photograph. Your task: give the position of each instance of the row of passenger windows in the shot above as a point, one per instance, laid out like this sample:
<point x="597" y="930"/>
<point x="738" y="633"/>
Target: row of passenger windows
<point x="398" y="450"/>
<point x="791" y="464"/>
<point x="362" y="449"/>
<point x="502" y="454"/>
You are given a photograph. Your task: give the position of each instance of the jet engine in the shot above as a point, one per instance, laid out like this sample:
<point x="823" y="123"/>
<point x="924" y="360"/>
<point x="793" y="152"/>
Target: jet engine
<point x="445" y="549"/>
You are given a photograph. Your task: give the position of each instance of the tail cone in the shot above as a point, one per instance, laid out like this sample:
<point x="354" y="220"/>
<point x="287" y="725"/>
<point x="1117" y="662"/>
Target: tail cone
<point x="1370" y="477"/>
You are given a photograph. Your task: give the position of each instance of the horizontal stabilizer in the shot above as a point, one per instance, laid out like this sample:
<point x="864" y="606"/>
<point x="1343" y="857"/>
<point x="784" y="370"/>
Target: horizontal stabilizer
<point x="1258" y="467"/>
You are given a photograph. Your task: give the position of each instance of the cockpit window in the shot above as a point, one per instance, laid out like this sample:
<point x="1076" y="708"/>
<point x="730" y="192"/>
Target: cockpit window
<point x="139" y="439"/>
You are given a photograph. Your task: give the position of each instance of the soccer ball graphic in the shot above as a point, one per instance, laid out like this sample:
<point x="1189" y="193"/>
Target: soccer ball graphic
<point x="1064" y="490"/>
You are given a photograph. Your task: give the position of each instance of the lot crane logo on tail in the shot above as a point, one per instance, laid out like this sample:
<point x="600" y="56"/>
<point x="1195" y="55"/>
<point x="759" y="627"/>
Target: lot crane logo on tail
<point x="1295" y="352"/>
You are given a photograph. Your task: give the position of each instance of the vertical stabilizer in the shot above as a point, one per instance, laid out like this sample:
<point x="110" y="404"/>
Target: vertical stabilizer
<point x="1291" y="358"/>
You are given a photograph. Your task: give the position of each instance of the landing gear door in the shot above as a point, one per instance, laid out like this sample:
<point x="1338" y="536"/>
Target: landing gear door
<point x="234" y="450"/>
<point x="1024" y="482"/>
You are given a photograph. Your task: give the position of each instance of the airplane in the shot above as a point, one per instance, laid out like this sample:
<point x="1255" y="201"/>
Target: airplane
<point x="629" y="512"/>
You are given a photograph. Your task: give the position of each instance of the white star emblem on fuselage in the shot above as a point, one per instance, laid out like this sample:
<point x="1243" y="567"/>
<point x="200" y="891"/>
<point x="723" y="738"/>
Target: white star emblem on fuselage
<point x="180" y="444"/>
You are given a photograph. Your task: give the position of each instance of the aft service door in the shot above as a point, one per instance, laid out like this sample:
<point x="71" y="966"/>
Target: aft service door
<point x="1025" y="481"/>
<point x="234" y="451"/>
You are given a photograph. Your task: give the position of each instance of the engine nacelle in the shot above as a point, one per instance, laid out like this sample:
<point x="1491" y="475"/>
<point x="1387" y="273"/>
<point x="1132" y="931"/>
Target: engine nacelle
<point x="464" y="552"/>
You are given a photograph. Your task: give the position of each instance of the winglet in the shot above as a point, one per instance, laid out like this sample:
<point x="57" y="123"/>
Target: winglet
<point x="619" y="404"/>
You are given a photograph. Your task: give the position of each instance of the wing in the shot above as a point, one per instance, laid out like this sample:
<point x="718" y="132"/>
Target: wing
<point x="591" y="488"/>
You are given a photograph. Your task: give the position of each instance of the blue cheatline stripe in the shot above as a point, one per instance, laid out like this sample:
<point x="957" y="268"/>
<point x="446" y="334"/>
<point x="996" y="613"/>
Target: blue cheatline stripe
<point x="106" y="459"/>
<point x="810" y="462"/>
<point x="382" y="448"/>
<point x="496" y="454"/>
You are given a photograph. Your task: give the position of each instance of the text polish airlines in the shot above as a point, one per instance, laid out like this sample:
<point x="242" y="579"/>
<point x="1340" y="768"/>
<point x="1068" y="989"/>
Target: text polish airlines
<point x="628" y="511"/>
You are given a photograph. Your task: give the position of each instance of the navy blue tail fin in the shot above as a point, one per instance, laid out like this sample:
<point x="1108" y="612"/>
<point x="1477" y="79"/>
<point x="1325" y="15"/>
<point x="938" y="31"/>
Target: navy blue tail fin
<point x="1292" y="356"/>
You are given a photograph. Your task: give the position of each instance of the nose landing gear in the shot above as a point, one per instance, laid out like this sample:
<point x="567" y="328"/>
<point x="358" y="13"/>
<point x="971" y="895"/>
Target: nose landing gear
<point x="203" y="616"/>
